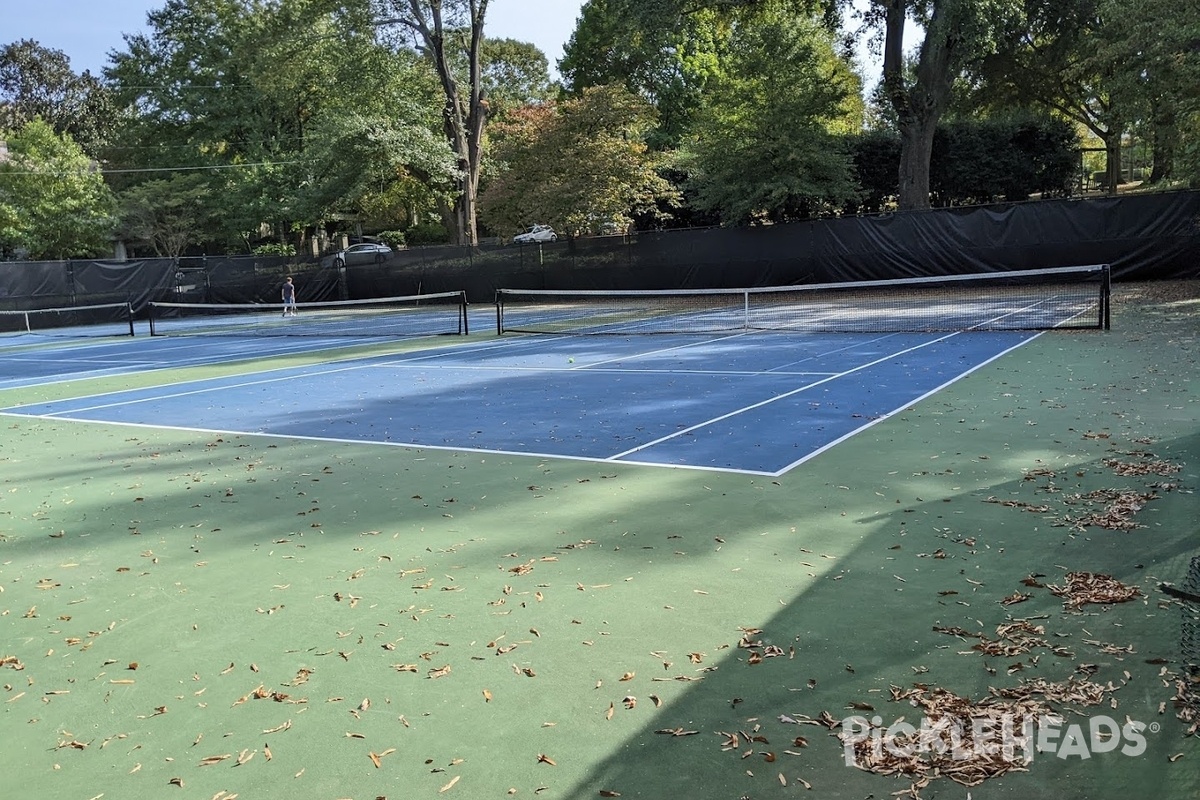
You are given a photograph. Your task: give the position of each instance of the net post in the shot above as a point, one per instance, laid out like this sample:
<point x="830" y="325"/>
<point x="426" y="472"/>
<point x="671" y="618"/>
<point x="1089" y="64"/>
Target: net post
<point x="151" y="310"/>
<point x="466" y="330"/>
<point x="499" y="312"/>
<point x="129" y="312"/>
<point x="746" y="309"/>
<point x="1105" y="297"/>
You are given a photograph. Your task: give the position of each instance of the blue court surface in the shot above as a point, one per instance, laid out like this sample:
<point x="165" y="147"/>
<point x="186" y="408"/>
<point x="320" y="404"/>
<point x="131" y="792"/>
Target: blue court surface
<point x="757" y="403"/>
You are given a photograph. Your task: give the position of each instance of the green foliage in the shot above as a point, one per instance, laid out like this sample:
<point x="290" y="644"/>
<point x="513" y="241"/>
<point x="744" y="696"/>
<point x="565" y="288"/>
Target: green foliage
<point x="667" y="58"/>
<point x="449" y="36"/>
<point x="168" y="214"/>
<point x="876" y="157"/>
<point x="427" y="233"/>
<point x="514" y="74"/>
<point x="294" y="108"/>
<point x="274" y="249"/>
<point x="38" y="83"/>
<point x="768" y="145"/>
<point x="53" y="202"/>
<point x="580" y="166"/>
<point x="394" y="239"/>
<point x="978" y="161"/>
<point x="975" y="161"/>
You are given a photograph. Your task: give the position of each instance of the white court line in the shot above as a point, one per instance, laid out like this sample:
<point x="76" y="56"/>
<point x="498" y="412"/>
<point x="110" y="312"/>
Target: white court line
<point x="909" y="404"/>
<point x="840" y="375"/>
<point x="534" y="343"/>
<point x="163" y="386"/>
<point x="596" y="370"/>
<point x="777" y="397"/>
<point x="836" y="350"/>
<point x="409" y="445"/>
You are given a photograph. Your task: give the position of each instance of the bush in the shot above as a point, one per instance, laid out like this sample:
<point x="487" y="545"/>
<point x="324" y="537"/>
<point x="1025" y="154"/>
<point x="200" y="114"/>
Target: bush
<point x="427" y="233"/>
<point x="274" y="249"/>
<point x="974" y="161"/>
<point x="393" y="239"/>
<point x="876" y="156"/>
<point x="1004" y="158"/>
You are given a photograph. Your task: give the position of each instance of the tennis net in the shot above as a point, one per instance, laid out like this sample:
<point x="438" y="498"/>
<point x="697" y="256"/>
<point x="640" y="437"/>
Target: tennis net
<point x="103" y="319"/>
<point x="1067" y="297"/>
<point x="418" y="315"/>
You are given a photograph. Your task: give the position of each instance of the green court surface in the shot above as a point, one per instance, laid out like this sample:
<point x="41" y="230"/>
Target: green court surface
<point x="203" y="616"/>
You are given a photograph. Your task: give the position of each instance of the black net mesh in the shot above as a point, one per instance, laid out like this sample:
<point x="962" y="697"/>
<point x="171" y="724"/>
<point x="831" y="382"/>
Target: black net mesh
<point x="101" y="319"/>
<point x="1025" y="300"/>
<point x="420" y="315"/>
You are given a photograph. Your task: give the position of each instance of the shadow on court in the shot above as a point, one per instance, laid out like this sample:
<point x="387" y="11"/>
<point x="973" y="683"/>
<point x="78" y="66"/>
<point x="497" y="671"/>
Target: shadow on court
<point x="215" y="612"/>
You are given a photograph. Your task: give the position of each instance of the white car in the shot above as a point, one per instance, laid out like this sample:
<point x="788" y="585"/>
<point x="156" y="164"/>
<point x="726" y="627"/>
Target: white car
<point x="537" y="233"/>
<point x="362" y="253"/>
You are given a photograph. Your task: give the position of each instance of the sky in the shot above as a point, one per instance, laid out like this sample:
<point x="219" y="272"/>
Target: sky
<point x="87" y="30"/>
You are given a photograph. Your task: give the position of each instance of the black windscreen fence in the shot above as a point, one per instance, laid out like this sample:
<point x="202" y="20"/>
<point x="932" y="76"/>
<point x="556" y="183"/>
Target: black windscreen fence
<point x="1142" y="237"/>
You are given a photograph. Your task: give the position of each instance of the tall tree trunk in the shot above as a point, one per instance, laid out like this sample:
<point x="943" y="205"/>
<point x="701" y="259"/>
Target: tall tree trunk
<point x="1163" y="142"/>
<point x="465" y="113"/>
<point x="916" y="147"/>
<point x="1112" y="155"/>
<point x="918" y="107"/>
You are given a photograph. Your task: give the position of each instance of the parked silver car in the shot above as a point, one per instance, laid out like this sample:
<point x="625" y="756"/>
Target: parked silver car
<point x="536" y="233"/>
<point x="362" y="253"/>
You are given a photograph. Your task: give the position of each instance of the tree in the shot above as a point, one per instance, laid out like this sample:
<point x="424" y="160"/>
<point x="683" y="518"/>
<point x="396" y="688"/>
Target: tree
<point x="669" y="60"/>
<point x="514" y="74"/>
<point x="53" y="201"/>
<point x="767" y="142"/>
<point x="581" y="165"/>
<point x="1056" y="64"/>
<point x="168" y="213"/>
<point x="246" y="94"/>
<point x="38" y="83"/>
<point x="442" y="31"/>
<point x="957" y="33"/>
<point x="1155" y="47"/>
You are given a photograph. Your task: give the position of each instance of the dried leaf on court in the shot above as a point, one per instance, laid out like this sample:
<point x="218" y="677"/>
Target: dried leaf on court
<point x="208" y="761"/>
<point x="545" y="759"/>
<point x="449" y="785"/>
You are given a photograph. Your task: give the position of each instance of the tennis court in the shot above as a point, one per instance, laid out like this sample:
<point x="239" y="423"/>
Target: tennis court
<point x="617" y="565"/>
<point x="710" y="390"/>
<point x="749" y="403"/>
